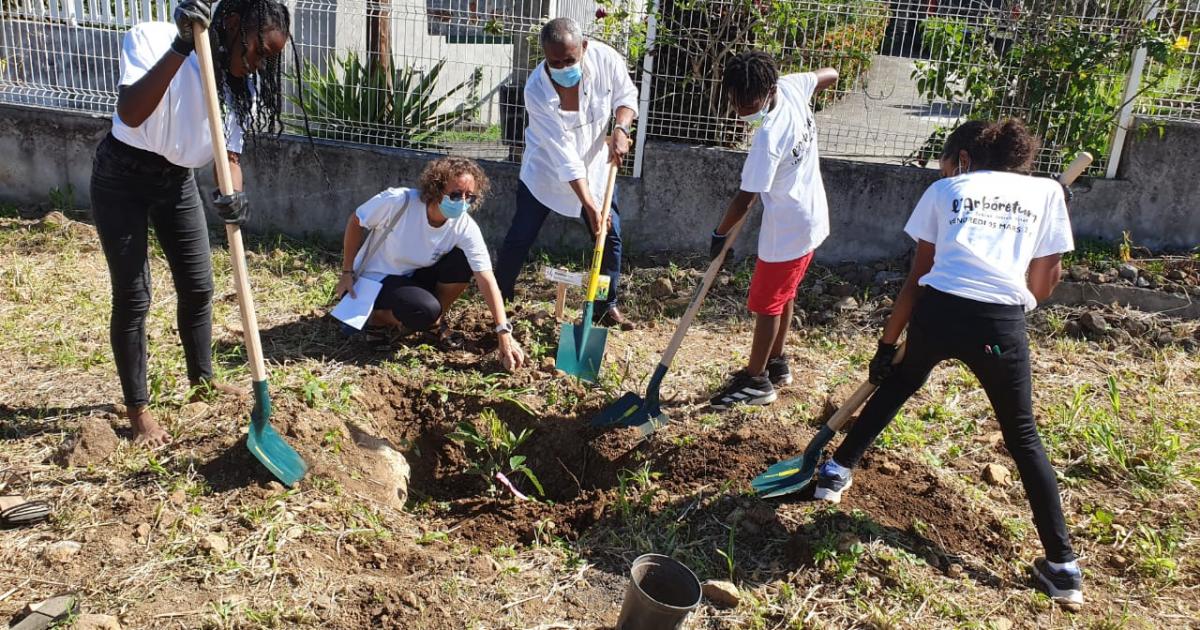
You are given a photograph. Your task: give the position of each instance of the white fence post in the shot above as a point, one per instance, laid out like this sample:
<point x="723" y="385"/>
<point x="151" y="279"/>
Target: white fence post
<point x="644" y="95"/>
<point x="1133" y="82"/>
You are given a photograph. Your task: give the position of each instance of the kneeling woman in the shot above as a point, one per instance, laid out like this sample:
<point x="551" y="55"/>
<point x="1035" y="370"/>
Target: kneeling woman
<point x="989" y="238"/>
<point x="430" y="253"/>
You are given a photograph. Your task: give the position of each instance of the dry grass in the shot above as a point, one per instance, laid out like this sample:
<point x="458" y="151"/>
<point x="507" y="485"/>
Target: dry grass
<point x="1120" y="421"/>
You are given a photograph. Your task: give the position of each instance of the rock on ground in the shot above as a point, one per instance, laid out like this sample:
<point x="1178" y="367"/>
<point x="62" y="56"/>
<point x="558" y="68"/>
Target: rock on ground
<point x="722" y="594"/>
<point x="93" y="444"/>
<point x="996" y="475"/>
<point x="61" y="552"/>
<point x="662" y="288"/>
<point x="97" y="622"/>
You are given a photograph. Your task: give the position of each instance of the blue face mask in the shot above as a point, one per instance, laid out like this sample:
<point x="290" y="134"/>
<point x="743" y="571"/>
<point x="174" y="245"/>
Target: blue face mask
<point x="569" y="76"/>
<point x="453" y="209"/>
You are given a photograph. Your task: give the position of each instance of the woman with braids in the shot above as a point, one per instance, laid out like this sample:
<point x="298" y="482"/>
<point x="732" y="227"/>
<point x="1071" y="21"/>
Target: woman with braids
<point x="989" y="238"/>
<point x="430" y="249"/>
<point x="142" y="175"/>
<point x="783" y="168"/>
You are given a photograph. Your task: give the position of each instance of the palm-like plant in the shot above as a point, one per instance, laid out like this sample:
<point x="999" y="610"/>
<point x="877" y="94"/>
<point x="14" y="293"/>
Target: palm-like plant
<point x="398" y="107"/>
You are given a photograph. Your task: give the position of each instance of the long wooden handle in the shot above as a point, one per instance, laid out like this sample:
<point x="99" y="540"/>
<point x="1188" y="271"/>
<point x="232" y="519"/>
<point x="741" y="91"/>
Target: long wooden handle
<point x="856" y="400"/>
<point x="237" y="251"/>
<point x="1076" y="168"/>
<point x="711" y="274"/>
<point x="601" y="233"/>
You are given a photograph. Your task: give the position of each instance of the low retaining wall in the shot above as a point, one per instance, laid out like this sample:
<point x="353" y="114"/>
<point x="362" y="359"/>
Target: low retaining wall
<point x="672" y="208"/>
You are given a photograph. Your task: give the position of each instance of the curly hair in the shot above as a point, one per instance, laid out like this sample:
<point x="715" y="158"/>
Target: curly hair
<point x="1006" y="145"/>
<point x="750" y="76"/>
<point x="442" y="171"/>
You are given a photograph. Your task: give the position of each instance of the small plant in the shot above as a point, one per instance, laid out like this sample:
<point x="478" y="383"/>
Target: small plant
<point x="727" y="553"/>
<point x="62" y="199"/>
<point x="492" y="452"/>
<point x="636" y="491"/>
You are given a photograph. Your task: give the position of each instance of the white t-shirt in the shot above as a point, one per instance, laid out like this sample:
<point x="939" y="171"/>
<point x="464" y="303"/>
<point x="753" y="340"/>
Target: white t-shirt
<point x="784" y="168"/>
<point x="178" y="127"/>
<point x="986" y="227"/>
<point x="560" y="146"/>
<point x="414" y="244"/>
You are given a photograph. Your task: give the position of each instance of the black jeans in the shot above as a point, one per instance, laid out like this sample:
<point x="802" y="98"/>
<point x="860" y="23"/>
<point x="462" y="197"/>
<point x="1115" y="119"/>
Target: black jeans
<point x="131" y="190"/>
<point x="413" y="299"/>
<point x="943" y="327"/>
<point x="526" y="224"/>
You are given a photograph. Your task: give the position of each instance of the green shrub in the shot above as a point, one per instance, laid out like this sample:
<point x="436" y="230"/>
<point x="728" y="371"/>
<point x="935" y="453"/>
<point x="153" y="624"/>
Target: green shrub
<point x="401" y="108"/>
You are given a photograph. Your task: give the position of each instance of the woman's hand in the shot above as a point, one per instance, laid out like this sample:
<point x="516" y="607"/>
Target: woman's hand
<point x="511" y="355"/>
<point x="345" y="285"/>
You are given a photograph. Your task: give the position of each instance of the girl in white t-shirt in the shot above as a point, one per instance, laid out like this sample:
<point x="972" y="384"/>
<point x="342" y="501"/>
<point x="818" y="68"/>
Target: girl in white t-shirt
<point x="989" y="238"/>
<point x="142" y="174"/>
<point x="428" y="257"/>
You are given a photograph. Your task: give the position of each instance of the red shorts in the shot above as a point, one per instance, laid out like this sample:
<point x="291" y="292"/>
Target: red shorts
<point x="774" y="284"/>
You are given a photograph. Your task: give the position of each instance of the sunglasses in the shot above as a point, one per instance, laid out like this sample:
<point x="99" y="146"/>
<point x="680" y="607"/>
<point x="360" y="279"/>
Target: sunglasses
<point x="458" y="195"/>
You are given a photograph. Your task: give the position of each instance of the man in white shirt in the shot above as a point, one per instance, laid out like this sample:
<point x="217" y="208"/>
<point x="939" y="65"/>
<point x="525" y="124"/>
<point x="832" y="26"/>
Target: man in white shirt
<point x="570" y="98"/>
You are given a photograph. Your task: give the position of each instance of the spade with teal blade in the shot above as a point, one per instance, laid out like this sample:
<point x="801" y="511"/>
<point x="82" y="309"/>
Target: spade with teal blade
<point x="581" y="346"/>
<point x="263" y="440"/>
<point x="646" y="413"/>
<point x="795" y="474"/>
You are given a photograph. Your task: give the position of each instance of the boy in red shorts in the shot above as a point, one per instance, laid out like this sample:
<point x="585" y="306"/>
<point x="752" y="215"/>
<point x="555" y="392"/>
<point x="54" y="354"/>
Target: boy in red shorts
<point x="783" y="168"/>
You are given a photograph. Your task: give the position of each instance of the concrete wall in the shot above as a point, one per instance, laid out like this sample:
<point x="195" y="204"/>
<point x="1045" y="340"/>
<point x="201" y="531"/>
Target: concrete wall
<point x="672" y="208"/>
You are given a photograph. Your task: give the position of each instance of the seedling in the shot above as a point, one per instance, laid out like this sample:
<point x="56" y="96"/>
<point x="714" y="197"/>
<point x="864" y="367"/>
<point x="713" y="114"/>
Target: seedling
<point x="491" y="452"/>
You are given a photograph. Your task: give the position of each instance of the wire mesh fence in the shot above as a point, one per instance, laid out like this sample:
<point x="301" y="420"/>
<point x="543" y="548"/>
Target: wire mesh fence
<point x="447" y="75"/>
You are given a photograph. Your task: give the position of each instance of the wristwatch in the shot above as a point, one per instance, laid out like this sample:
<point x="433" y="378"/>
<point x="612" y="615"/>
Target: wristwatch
<point x="626" y="129"/>
<point x="505" y="328"/>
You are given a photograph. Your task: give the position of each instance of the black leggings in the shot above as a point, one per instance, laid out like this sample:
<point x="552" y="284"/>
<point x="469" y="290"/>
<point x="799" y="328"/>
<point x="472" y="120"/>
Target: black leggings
<point x="943" y="327"/>
<point x="132" y="189"/>
<point x="413" y="299"/>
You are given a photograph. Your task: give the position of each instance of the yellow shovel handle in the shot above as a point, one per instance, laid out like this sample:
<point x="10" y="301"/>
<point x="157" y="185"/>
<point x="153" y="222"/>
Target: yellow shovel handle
<point x="601" y="233"/>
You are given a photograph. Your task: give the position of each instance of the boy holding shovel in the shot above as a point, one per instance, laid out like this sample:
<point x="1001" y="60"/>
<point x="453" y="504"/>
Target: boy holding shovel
<point x="782" y="168"/>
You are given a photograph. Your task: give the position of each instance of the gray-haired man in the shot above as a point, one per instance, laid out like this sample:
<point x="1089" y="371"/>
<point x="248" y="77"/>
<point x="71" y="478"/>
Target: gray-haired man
<point x="570" y="98"/>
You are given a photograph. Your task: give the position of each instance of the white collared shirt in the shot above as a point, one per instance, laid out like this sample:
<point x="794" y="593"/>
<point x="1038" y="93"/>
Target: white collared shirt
<point x="177" y="129"/>
<point x="561" y="146"/>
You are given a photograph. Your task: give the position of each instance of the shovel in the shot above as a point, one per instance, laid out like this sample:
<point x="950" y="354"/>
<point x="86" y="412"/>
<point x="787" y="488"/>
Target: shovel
<point x="581" y="347"/>
<point x="263" y="440"/>
<point x="646" y="414"/>
<point x="795" y="474"/>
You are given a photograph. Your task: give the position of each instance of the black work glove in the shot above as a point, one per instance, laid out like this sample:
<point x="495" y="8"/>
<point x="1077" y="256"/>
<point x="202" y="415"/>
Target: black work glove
<point x="233" y="208"/>
<point x="881" y="364"/>
<point x="1068" y="194"/>
<point x="715" y="245"/>
<point x="187" y="14"/>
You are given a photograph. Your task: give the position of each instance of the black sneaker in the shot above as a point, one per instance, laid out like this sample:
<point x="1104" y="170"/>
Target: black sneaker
<point x="746" y="390"/>
<point x="1063" y="586"/>
<point x="831" y="484"/>
<point x="779" y="371"/>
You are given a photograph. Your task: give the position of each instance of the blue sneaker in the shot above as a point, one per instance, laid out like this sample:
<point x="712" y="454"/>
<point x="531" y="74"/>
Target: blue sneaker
<point x="1064" y="586"/>
<point x="832" y="481"/>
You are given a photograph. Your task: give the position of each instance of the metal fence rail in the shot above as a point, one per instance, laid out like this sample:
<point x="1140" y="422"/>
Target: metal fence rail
<point x="446" y="75"/>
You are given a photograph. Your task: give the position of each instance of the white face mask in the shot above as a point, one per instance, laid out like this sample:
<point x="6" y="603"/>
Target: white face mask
<point x="757" y="117"/>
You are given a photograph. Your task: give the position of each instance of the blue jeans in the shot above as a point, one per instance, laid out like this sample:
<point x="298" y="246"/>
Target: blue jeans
<point x="526" y="224"/>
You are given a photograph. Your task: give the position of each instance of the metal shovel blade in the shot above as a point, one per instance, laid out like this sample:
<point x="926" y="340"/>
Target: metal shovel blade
<point x="581" y="349"/>
<point x="619" y="411"/>
<point x="795" y="474"/>
<point x="268" y="446"/>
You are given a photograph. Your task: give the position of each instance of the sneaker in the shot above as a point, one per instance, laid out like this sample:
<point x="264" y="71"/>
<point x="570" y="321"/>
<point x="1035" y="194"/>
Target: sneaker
<point x="1064" y="586"/>
<point x="779" y="371"/>
<point x="745" y="389"/>
<point x="832" y="481"/>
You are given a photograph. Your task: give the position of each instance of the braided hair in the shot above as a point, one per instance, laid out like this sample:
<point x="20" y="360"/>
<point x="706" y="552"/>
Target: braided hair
<point x="749" y="76"/>
<point x="257" y="99"/>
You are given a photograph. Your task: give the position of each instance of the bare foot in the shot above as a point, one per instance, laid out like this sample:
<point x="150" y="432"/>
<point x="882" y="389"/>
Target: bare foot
<point x="202" y="390"/>
<point x="146" y="431"/>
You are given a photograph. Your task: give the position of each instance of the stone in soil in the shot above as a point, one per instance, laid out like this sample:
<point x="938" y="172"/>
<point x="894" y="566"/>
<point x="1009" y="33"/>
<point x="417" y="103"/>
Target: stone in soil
<point x="1176" y="274"/>
<point x="721" y="593"/>
<point x="93" y="444"/>
<point x="1078" y="273"/>
<point x="1094" y="323"/>
<point x="890" y="467"/>
<point x="96" y="622"/>
<point x="1097" y="277"/>
<point x="662" y="288"/>
<point x="214" y="544"/>
<point x="1127" y="272"/>
<point x="996" y="475"/>
<point x="846" y="304"/>
<point x="61" y="552"/>
<point x="954" y="570"/>
<point x="1142" y="282"/>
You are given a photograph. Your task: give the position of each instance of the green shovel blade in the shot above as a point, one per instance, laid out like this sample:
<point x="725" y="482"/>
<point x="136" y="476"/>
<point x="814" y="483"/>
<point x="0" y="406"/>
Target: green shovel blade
<point x="268" y="446"/>
<point x="581" y="348"/>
